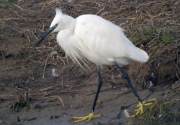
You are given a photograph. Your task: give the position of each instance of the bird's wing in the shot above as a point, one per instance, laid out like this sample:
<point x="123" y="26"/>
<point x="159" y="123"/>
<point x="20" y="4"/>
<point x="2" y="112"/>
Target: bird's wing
<point x="101" y="36"/>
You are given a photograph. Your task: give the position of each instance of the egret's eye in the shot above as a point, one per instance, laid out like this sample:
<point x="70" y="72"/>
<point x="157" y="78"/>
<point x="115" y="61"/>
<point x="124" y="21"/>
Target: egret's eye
<point x="56" y="25"/>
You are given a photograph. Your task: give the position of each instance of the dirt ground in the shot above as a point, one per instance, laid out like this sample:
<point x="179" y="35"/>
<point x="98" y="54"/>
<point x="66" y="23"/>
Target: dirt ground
<point x="41" y="86"/>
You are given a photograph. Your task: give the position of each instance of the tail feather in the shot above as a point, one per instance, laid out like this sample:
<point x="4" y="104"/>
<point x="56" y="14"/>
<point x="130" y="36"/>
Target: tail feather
<point x="138" y="55"/>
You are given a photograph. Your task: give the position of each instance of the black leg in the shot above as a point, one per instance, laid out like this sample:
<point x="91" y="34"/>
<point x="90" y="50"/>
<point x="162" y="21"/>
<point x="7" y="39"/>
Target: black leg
<point x="99" y="87"/>
<point x="129" y="82"/>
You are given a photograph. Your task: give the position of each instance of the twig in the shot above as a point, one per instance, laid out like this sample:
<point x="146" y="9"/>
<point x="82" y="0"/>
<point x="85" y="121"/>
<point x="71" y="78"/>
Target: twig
<point x="50" y="87"/>
<point x="61" y="60"/>
<point x="19" y="7"/>
<point x="100" y="11"/>
<point x="45" y="67"/>
<point x="61" y="101"/>
<point x="10" y="18"/>
<point x="54" y="97"/>
<point x="62" y="84"/>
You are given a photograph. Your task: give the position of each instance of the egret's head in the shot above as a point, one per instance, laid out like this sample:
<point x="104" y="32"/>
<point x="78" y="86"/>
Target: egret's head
<point x="56" y="25"/>
<point x="57" y="22"/>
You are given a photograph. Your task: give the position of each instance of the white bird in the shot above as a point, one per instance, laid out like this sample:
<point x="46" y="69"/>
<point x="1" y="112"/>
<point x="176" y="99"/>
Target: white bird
<point x="90" y="37"/>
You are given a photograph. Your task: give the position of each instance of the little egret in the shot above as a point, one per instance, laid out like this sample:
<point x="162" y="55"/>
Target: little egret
<point x="90" y="37"/>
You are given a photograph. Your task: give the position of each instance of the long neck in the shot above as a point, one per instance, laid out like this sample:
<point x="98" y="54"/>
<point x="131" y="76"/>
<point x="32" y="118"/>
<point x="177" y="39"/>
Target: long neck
<point x="71" y="22"/>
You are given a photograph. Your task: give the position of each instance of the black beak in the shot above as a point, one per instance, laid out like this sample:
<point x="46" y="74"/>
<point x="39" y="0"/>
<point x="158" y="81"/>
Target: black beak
<point x="44" y="36"/>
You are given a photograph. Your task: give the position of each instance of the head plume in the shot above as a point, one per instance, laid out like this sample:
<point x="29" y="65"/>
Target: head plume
<point x="58" y="17"/>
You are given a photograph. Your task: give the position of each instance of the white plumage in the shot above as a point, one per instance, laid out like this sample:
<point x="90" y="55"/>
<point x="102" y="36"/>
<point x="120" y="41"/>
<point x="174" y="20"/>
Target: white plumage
<point x="96" y="39"/>
<point x="90" y="37"/>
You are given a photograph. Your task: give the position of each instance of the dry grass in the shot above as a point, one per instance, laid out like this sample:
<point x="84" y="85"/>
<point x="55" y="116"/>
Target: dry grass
<point x="151" y="25"/>
<point x="164" y="110"/>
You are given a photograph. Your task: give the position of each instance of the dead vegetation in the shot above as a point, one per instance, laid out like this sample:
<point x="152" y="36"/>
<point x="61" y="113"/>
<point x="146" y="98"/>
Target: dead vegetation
<point x="165" y="109"/>
<point x="151" y="25"/>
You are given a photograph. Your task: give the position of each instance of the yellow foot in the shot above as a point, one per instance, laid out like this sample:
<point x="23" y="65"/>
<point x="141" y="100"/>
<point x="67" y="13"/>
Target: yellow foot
<point x="85" y="118"/>
<point x="140" y="108"/>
